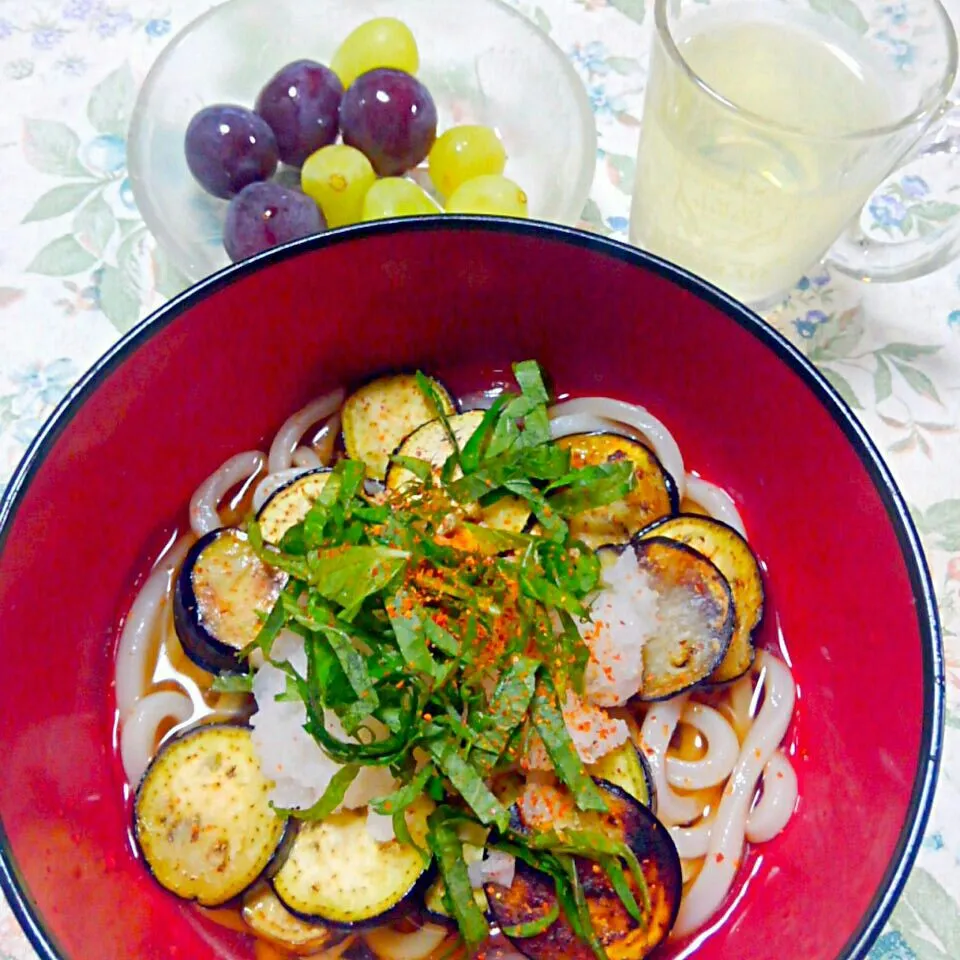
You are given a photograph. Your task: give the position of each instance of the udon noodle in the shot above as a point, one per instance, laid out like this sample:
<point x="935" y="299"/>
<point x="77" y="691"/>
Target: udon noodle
<point x="286" y="442"/>
<point x="733" y="783"/>
<point x="143" y="711"/>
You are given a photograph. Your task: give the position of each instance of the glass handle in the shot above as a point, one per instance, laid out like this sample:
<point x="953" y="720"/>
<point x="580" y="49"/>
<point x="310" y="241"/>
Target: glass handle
<point x="909" y="228"/>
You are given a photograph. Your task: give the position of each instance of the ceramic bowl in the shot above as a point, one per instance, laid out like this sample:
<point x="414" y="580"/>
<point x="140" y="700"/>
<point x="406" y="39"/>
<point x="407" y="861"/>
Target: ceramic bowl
<point x="217" y="370"/>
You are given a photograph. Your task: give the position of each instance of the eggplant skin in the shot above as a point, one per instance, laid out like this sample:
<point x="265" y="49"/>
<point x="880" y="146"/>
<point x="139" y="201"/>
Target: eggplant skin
<point x="654" y="497"/>
<point x="695" y="619"/>
<point x="735" y="559"/>
<point x="201" y="816"/>
<point x="286" y="845"/>
<point x="221" y="586"/>
<point x="532" y="894"/>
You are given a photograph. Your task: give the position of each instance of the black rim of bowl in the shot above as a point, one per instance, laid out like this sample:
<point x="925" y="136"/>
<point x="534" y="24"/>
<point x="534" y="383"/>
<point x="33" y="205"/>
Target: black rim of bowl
<point x="928" y="761"/>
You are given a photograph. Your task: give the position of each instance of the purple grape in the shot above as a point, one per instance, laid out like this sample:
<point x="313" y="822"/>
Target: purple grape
<point x="391" y="117"/>
<point x="263" y="215"/>
<point x="228" y="147"/>
<point x="301" y="103"/>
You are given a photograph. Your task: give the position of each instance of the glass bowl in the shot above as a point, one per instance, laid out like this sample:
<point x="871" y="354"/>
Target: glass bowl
<point x="482" y="61"/>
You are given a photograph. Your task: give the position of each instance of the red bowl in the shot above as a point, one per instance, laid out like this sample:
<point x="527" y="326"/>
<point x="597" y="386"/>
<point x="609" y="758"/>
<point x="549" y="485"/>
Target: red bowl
<point x="219" y="368"/>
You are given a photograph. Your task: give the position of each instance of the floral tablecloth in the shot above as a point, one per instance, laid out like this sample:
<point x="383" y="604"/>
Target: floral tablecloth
<point x="78" y="268"/>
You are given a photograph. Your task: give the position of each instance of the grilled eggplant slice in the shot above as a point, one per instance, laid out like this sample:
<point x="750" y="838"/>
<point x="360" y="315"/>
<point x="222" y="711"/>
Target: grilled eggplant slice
<point x="290" y="503"/>
<point x="433" y="898"/>
<point x="201" y="816"/>
<point x="381" y="413"/>
<point x="654" y="497"/>
<point x="433" y="904"/>
<point x="270" y="920"/>
<point x="431" y="443"/>
<point x="695" y="617"/>
<point x="532" y="896"/>
<point x="435" y="908"/>
<point x="336" y="872"/>
<point x="695" y="626"/>
<point x="220" y="590"/>
<point x="629" y="769"/>
<point x="732" y="556"/>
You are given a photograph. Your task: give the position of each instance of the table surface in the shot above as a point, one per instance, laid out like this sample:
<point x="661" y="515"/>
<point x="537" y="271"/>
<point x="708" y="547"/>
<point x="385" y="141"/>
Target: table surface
<point x="78" y="269"/>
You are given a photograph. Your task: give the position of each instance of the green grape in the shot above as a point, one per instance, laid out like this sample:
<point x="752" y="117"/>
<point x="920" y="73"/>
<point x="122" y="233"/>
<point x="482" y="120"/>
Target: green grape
<point x="337" y="177"/>
<point x="491" y="194"/>
<point x="382" y="42"/>
<point x="462" y="153"/>
<point x="396" y="197"/>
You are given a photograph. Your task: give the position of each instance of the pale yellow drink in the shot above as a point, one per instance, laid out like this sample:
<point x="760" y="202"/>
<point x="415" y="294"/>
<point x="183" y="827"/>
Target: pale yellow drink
<point x="749" y="204"/>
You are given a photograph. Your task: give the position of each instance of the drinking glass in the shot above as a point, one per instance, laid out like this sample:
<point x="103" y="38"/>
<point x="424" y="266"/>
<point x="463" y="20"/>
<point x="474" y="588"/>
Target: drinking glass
<point x="769" y="123"/>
